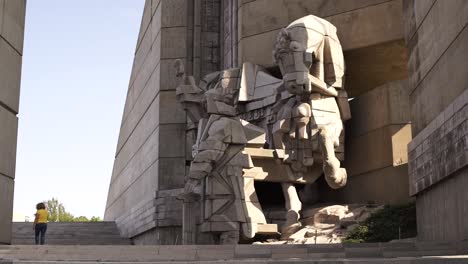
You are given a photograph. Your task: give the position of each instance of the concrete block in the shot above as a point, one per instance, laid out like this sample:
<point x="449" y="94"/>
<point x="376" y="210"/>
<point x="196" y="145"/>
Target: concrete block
<point x="144" y="74"/>
<point x="140" y="167"/>
<point x="362" y="27"/>
<point x="141" y="53"/>
<point x="382" y="106"/>
<point x="146" y="104"/>
<point x="138" y="137"/>
<point x="150" y="63"/>
<point x="186" y="253"/>
<point x="175" y="13"/>
<point x="386" y="186"/>
<point x="289" y="251"/>
<point x="252" y="251"/>
<point x="156" y="22"/>
<point x="10" y="76"/>
<point x="414" y="13"/>
<point x="258" y="56"/>
<point x="6" y="203"/>
<point x="2" y="7"/>
<point x="145" y="23"/>
<point x="377" y="149"/>
<point x="215" y="252"/>
<point x="12" y="28"/>
<point x="441" y="212"/>
<point x="170" y="111"/>
<point x="260" y="16"/>
<point x="8" y="136"/>
<point x="171" y="173"/>
<point x="173" y="135"/>
<point x="369" y="26"/>
<point x="173" y="42"/>
<point x="425" y="48"/>
<point x="155" y="4"/>
<point x="370" y="252"/>
<point x="168" y="75"/>
<point x="428" y="100"/>
<point x="373" y="66"/>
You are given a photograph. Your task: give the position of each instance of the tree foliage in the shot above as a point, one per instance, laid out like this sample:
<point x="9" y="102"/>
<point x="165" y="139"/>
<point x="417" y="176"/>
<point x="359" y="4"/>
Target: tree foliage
<point x="57" y="213"/>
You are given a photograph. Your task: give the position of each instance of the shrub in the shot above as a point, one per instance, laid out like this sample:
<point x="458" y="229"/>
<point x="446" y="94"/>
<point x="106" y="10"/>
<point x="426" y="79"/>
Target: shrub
<point x="389" y="223"/>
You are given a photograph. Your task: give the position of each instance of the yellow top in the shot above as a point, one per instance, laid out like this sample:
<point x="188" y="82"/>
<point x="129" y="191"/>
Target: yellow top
<point x="42" y="216"/>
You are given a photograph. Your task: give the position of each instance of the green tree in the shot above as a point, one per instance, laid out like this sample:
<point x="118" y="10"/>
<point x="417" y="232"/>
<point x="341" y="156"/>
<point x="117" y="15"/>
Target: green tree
<point x="95" y="219"/>
<point x="57" y="213"/>
<point x="81" y="219"/>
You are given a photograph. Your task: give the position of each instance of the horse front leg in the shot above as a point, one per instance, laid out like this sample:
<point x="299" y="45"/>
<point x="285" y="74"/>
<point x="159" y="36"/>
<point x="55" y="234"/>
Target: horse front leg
<point x="334" y="175"/>
<point x="293" y="207"/>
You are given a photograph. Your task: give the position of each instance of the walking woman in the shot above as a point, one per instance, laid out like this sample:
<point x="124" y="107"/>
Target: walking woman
<point x="40" y="223"/>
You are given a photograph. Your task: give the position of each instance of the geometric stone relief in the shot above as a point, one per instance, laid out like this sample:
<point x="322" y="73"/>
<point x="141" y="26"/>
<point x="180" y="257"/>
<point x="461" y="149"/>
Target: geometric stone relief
<point x="253" y="126"/>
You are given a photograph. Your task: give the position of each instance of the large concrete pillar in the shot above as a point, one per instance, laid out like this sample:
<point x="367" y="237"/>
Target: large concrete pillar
<point x="12" y="15"/>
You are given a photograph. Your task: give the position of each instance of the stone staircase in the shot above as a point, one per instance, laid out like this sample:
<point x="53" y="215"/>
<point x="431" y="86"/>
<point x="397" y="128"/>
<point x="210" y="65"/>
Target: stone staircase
<point x="378" y="253"/>
<point x="78" y="233"/>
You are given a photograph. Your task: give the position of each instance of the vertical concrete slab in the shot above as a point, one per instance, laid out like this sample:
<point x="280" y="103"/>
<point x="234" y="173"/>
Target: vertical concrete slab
<point x="8" y="136"/>
<point x="10" y="76"/>
<point x="2" y="7"/>
<point x="12" y="16"/>
<point x="12" y="28"/>
<point x="6" y="203"/>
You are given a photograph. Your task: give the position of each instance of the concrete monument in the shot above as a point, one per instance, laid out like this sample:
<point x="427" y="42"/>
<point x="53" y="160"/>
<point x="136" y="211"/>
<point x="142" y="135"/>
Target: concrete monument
<point x="253" y="126"/>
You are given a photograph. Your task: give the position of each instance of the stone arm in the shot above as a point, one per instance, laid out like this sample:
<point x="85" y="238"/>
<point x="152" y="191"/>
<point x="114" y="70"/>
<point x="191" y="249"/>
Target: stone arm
<point x="188" y="94"/>
<point x="220" y="135"/>
<point x="209" y="151"/>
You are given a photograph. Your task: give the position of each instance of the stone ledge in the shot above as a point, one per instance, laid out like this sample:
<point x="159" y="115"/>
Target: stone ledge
<point x="383" y="252"/>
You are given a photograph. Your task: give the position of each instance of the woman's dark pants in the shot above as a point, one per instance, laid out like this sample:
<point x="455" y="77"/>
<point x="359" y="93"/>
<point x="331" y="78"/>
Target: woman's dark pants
<point x="40" y="233"/>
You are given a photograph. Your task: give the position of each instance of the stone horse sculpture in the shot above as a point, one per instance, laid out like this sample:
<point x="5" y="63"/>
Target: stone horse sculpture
<point x="253" y="126"/>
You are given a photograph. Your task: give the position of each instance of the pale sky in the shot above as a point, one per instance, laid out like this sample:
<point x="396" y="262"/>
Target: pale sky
<point x="77" y="60"/>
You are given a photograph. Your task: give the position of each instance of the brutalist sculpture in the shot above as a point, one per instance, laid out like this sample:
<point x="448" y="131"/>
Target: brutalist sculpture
<point x="253" y="126"/>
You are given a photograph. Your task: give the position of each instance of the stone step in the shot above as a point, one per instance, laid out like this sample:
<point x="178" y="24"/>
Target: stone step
<point x="406" y="253"/>
<point x="77" y="233"/>
<point x="417" y="260"/>
<point x="74" y="242"/>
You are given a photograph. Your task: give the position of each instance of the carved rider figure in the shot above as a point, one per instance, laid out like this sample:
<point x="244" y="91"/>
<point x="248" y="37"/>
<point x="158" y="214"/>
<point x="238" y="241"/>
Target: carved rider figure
<point x="313" y="106"/>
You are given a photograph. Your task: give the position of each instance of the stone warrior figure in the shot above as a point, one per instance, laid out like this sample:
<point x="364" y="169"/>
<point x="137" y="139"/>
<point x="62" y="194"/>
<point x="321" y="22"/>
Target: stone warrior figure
<point x="246" y="113"/>
<point x="218" y="156"/>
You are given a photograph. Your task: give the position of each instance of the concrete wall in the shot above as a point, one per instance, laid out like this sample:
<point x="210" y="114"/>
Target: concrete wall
<point x="150" y="155"/>
<point x="376" y="155"/>
<point x="437" y="36"/>
<point x="370" y="31"/>
<point x="12" y="15"/>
